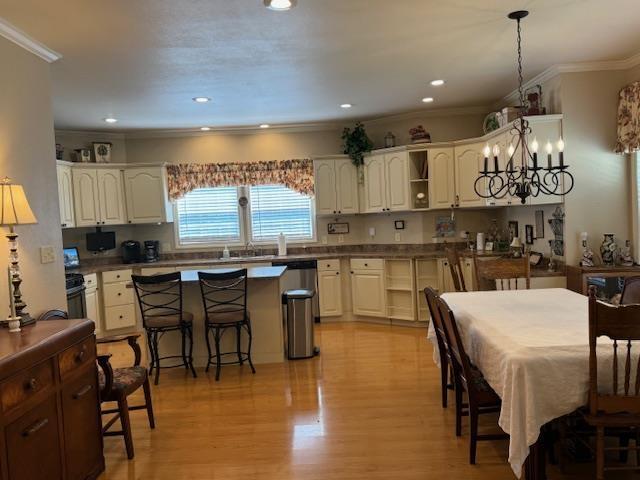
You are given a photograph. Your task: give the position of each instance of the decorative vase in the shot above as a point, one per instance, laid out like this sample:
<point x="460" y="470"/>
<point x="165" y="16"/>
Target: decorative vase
<point x="608" y="249"/>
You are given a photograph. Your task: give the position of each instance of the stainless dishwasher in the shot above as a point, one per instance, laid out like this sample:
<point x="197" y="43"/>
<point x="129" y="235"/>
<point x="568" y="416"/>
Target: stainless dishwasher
<point x="301" y="275"/>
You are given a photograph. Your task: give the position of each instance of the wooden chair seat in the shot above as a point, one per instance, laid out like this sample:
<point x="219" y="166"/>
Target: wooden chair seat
<point x="168" y="321"/>
<point x="617" y="420"/>
<point x="486" y="396"/>
<point x="125" y="381"/>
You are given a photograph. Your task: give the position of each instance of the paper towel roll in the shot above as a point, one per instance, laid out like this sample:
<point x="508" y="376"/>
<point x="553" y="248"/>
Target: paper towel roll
<point x="480" y="241"/>
<point x="282" y="245"/>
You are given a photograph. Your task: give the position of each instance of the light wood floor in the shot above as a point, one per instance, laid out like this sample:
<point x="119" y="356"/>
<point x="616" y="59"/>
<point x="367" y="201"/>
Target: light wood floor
<point x="367" y="408"/>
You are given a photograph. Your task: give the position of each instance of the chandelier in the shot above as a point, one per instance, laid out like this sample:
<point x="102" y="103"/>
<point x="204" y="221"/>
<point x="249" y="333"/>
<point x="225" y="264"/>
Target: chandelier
<point x="523" y="177"/>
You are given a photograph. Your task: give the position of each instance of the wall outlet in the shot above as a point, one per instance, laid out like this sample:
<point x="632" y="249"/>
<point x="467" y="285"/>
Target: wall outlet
<point x="340" y="238"/>
<point x="47" y="254"/>
<point x="398" y="237"/>
<point x="324" y="240"/>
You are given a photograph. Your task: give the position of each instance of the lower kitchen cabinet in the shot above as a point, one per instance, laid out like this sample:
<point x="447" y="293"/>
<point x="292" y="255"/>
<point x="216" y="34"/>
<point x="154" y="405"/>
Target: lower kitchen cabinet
<point x="92" y="301"/>
<point x="330" y="288"/>
<point x="427" y="275"/>
<point x="367" y="287"/>
<point x="401" y="289"/>
<point x="118" y="299"/>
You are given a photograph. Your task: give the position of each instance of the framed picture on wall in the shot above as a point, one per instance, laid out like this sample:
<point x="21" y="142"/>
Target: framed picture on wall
<point x="337" y="228"/>
<point x="528" y="233"/>
<point x="514" y="230"/>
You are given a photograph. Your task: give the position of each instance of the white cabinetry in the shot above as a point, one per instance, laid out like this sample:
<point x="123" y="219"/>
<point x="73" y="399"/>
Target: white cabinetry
<point x="442" y="188"/>
<point x="336" y="185"/>
<point x="400" y="287"/>
<point x="118" y="300"/>
<point x="468" y="162"/>
<point x="386" y="183"/>
<point x="98" y="197"/>
<point x="330" y="288"/>
<point x="92" y="301"/>
<point x="426" y="276"/>
<point x="367" y="287"/>
<point x="65" y="196"/>
<point x="146" y="195"/>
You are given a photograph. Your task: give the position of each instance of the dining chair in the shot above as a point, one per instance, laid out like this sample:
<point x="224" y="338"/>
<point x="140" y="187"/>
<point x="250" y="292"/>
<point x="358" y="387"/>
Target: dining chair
<point x="630" y="291"/>
<point x="446" y="372"/>
<point x="224" y="298"/>
<point x="455" y="266"/>
<point x="160" y="301"/>
<point x="616" y="405"/>
<point x="481" y="397"/>
<point x="501" y="273"/>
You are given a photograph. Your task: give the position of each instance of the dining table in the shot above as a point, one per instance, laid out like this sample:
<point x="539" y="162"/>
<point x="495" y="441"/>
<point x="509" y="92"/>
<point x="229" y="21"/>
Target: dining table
<point x="532" y="346"/>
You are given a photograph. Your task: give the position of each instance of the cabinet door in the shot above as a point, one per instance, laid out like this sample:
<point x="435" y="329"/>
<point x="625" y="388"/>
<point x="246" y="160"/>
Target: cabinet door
<point x="397" y="181"/>
<point x="93" y="307"/>
<point x="374" y="184"/>
<point x="325" y="186"/>
<point x="85" y="197"/>
<point x="146" y="196"/>
<point x="330" y="293"/>
<point x="346" y="186"/>
<point x="442" y="189"/>
<point x="469" y="162"/>
<point x="82" y="426"/>
<point x="33" y="444"/>
<point x="65" y="196"/>
<point x="445" y="282"/>
<point x="112" y="209"/>
<point x="367" y="289"/>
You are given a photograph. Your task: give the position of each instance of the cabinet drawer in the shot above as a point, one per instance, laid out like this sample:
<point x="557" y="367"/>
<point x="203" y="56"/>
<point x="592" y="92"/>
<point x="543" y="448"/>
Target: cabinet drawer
<point x="114" y="294"/>
<point x="333" y="264"/>
<point x="367" y="264"/>
<point x="76" y="357"/>
<point x="26" y="384"/>
<point x="91" y="280"/>
<point x="119" y="317"/>
<point x="116" y="276"/>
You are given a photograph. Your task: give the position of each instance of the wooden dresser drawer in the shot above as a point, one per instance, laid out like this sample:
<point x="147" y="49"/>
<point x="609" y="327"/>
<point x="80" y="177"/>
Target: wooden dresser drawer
<point x="331" y="264"/>
<point x="120" y="317"/>
<point x="77" y="357"/>
<point x="23" y="385"/>
<point x="367" y="264"/>
<point x="114" y="294"/>
<point x="117" y="276"/>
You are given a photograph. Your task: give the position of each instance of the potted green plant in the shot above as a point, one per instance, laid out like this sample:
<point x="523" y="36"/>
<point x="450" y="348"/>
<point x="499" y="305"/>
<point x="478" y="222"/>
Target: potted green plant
<point x="356" y="143"/>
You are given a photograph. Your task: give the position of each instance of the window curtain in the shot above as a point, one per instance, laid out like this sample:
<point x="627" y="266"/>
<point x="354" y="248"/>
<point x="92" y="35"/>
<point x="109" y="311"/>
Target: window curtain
<point x="295" y="174"/>
<point x="629" y="119"/>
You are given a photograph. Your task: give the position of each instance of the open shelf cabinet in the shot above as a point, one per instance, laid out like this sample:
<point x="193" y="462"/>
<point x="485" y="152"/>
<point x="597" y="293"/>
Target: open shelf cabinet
<point x="400" y="289"/>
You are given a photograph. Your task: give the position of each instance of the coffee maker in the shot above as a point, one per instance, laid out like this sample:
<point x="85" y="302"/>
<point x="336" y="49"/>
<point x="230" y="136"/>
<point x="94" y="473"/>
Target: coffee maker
<point x="130" y="251"/>
<point x="151" y="250"/>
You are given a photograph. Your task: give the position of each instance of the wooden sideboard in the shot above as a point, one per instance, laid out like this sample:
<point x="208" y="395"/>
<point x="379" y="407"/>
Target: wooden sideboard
<point x="49" y="408"/>
<point x="578" y="278"/>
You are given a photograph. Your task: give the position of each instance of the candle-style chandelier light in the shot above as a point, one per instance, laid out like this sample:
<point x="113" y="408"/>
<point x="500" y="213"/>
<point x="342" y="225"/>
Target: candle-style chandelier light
<point x="527" y="178"/>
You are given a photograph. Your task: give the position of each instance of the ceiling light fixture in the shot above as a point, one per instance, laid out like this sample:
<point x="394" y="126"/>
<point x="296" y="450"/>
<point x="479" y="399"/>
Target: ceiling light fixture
<point x="201" y="99"/>
<point x="427" y="99"/>
<point x="110" y="120"/>
<point x="205" y="129"/>
<point x="265" y="125"/>
<point x="280" y="5"/>
<point x="527" y="178"/>
<point x="346" y="105"/>
<point x="437" y="83"/>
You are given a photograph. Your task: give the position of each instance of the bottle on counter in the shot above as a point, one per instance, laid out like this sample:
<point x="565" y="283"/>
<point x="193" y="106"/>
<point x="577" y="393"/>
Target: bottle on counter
<point x="282" y="245"/>
<point x="225" y="252"/>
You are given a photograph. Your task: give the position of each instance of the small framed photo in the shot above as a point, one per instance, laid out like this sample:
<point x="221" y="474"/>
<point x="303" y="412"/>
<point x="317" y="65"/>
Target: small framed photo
<point x="539" y="223"/>
<point x="488" y="247"/>
<point x="338" y="228"/>
<point x="528" y="233"/>
<point x="399" y="224"/>
<point x="514" y="230"/>
<point x="102" y="152"/>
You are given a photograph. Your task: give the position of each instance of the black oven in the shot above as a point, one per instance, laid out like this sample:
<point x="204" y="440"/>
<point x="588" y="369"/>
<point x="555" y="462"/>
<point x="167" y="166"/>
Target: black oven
<point x="76" y="305"/>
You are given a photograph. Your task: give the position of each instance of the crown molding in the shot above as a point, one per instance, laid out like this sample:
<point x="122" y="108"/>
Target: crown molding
<point x="430" y="113"/>
<point x="30" y="44"/>
<point x="91" y="133"/>
<point x="578" y="67"/>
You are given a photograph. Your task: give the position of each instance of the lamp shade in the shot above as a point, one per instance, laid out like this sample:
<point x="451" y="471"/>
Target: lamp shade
<point x="14" y="207"/>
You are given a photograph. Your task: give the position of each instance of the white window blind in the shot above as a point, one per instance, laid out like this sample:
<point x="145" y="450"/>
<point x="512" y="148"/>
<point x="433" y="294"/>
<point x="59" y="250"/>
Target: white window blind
<point x="209" y="216"/>
<point x="275" y="209"/>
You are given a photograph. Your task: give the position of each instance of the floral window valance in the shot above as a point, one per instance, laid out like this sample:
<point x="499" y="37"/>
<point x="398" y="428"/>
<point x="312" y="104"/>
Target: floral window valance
<point x="294" y="174"/>
<point x="629" y="119"/>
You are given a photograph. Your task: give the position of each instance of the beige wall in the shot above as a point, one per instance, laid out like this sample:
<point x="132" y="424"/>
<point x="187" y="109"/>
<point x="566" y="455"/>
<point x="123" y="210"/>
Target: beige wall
<point x="27" y="155"/>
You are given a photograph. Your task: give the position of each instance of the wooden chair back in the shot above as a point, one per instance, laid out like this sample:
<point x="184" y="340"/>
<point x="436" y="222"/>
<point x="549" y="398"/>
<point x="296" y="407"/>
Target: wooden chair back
<point x="159" y="295"/>
<point x="54" y="315"/>
<point x="224" y="293"/>
<point x="621" y="324"/>
<point x="630" y="291"/>
<point x="456" y="269"/>
<point x="501" y="273"/>
<point x="461" y="364"/>
<point x="436" y="319"/>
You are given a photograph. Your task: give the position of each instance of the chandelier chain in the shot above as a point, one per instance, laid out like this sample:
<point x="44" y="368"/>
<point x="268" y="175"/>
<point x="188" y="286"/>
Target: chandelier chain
<point x="520" y="78"/>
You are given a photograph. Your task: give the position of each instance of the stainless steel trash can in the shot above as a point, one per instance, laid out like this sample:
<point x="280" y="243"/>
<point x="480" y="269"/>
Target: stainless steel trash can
<point x="297" y="306"/>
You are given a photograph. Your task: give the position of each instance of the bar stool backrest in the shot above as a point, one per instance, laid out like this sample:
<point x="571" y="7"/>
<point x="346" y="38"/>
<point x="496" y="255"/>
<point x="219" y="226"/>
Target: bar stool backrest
<point x="159" y="295"/>
<point x="224" y="293"/>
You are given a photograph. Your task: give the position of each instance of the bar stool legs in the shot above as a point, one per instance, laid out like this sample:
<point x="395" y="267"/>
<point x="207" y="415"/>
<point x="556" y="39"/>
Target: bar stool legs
<point x="217" y="331"/>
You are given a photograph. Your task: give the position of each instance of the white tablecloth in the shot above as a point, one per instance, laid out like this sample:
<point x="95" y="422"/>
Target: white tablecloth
<point x="533" y="348"/>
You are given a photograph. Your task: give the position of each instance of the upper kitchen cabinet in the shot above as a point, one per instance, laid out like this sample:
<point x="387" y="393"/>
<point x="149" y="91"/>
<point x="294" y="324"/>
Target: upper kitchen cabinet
<point x="146" y="195"/>
<point x="442" y="188"/>
<point x="386" y="182"/>
<point x="502" y="142"/>
<point x="98" y="196"/>
<point x="545" y="129"/>
<point x="336" y="185"/>
<point x="85" y="197"/>
<point x="468" y="163"/>
<point x="65" y="196"/>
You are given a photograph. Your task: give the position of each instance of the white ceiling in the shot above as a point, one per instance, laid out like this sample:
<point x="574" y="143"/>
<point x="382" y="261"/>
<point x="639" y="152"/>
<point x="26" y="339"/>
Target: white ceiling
<point x="142" y="61"/>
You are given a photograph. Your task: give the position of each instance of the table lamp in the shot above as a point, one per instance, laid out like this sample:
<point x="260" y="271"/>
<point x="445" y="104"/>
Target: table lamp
<point x="15" y="210"/>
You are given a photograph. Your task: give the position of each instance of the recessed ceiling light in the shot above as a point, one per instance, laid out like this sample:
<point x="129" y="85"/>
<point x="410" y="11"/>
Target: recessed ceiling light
<point x="265" y="125"/>
<point x="280" y="5"/>
<point x="201" y="99"/>
<point x="437" y="83"/>
<point x="346" y="105"/>
<point x="205" y="129"/>
<point x="110" y="120"/>
<point x="427" y="99"/>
